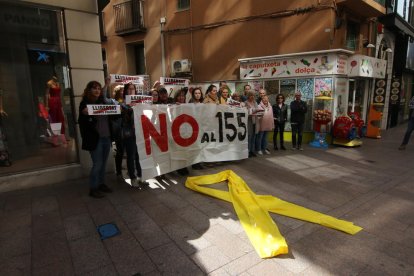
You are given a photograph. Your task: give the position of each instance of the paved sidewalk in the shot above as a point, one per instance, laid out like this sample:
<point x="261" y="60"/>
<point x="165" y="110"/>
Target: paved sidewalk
<point x="170" y="230"/>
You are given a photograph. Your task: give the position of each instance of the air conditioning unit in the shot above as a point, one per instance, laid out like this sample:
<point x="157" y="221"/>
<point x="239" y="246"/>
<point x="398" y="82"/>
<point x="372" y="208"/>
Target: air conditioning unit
<point x="181" y="66"/>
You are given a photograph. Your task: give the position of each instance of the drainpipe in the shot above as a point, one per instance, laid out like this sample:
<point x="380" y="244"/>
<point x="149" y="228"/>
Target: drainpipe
<point x="163" y="20"/>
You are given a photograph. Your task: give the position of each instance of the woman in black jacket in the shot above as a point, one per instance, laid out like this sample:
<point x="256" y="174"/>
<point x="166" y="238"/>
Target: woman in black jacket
<point x="96" y="138"/>
<point x="280" y="117"/>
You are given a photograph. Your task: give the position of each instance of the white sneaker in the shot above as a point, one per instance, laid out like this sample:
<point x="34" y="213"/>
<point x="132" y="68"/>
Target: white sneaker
<point x="267" y="152"/>
<point x="260" y="152"/>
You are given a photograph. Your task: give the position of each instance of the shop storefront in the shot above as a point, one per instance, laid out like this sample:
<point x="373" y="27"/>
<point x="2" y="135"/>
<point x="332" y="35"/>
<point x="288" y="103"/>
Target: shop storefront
<point x="39" y="129"/>
<point x="40" y="86"/>
<point x="333" y="80"/>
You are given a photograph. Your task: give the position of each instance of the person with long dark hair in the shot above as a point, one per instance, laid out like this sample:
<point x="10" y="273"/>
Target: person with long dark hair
<point x="129" y="138"/>
<point x="280" y="118"/>
<point x="196" y="95"/>
<point x="96" y="138"/>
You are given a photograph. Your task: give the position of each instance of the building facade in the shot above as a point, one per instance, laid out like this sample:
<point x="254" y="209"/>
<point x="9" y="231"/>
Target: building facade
<point x="209" y="41"/>
<point x="50" y="49"/>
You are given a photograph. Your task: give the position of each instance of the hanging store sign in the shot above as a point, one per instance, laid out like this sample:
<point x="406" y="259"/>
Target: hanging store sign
<point x="297" y="66"/>
<point x="365" y="66"/>
<point x="379" y="92"/>
<point x="395" y="91"/>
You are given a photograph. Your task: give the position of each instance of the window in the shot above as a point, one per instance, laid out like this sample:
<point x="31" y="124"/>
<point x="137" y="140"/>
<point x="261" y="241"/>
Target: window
<point x="34" y="76"/>
<point x="183" y="4"/>
<point x="352" y="31"/>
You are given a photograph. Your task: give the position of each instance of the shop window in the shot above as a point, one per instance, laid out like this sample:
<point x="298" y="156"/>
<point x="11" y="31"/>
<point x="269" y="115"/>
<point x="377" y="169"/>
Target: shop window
<point x="352" y="31"/>
<point x="306" y="87"/>
<point x="183" y="4"/>
<point x="34" y="75"/>
<point x="356" y="96"/>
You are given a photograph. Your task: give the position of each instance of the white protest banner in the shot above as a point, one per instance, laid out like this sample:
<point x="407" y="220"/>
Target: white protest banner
<point x="173" y="84"/>
<point x="138" y="99"/>
<point x="174" y="137"/>
<point x="103" y="109"/>
<point x="123" y="79"/>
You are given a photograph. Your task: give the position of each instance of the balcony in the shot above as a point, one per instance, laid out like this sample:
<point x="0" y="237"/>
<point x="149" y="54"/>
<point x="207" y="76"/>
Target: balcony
<point x="129" y="17"/>
<point x="364" y="8"/>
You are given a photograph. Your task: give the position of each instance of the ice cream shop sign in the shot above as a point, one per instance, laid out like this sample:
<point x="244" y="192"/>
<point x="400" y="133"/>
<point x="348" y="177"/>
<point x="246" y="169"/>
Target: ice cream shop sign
<point x="318" y="63"/>
<point x="294" y="65"/>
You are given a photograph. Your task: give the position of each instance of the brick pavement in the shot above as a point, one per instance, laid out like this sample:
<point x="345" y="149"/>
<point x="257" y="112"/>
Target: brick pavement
<point x="168" y="229"/>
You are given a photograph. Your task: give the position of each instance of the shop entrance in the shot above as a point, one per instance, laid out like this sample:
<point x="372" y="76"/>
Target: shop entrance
<point x="39" y="129"/>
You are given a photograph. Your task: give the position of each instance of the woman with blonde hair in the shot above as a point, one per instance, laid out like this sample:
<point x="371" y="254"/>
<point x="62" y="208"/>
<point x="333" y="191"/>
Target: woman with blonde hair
<point x="265" y="126"/>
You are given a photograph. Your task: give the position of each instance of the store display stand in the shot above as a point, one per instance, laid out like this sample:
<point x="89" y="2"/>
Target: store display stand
<point x="322" y="116"/>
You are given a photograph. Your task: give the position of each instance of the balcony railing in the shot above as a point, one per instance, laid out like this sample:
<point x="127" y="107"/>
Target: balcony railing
<point x="129" y="17"/>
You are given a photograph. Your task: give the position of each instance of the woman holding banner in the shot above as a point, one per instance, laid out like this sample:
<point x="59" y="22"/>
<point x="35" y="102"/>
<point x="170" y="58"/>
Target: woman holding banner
<point x="129" y="138"/>
<point x="252" y="121"/>
<point x="211" y="95"/>
<point x="196" y="96"/>
<point x="96" y="138"/>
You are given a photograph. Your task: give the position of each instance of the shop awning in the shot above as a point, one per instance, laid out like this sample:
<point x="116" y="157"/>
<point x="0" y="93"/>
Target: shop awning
<point x="396" y="23"/>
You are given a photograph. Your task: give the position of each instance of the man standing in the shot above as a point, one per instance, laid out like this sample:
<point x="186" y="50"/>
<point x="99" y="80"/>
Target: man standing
<point x="410" y="126"/>
<point x="298" y="110"/>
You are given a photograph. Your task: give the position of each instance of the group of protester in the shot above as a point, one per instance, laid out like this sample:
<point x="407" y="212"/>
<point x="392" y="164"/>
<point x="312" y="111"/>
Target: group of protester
<point x="98" y="132"/>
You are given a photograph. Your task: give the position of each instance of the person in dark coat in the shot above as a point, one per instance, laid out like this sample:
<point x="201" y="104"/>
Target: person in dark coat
<point x="280" y="118"/>
<point x="298" y="109"/>
<point x="96" y="138"/>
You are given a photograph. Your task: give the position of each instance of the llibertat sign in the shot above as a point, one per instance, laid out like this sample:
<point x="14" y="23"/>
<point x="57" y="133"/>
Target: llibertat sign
<point x="124" y="79"/>
<point x="173" y="85"/>
<point x="174" y="137"/>
<point x="103" y="109"/>
<point x="131" y="99"/>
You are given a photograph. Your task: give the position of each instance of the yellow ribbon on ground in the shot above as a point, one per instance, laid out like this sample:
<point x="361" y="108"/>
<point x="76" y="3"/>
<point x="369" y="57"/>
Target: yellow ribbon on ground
<point x="253" y="212"/>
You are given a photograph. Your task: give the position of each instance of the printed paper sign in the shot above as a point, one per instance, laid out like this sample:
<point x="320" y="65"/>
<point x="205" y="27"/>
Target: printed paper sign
<point x="174" y="137"/>
<point x="173" y="84"/>
<point x="103" y="109"/>
<point x="130" y="99"/>
<point x="124" y="79"/>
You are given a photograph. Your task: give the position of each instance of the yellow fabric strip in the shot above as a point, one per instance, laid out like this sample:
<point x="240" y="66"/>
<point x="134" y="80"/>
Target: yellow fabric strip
<point x="253" y="212"/>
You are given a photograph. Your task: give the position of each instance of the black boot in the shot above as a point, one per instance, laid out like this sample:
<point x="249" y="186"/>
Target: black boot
<point x="275" y="147"/>
<point x="95" y="193"/>
<point x="105" y="189"/>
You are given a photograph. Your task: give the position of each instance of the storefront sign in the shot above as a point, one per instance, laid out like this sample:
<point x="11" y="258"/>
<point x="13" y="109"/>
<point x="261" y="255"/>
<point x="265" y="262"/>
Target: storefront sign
<point x="365" y="66"/>
<point x="379" y="92"/>
<point x="297" y="66"/>
<point x="395" y="91"/>
<point x="97" y="109"/>
<point x="174" y="137"/>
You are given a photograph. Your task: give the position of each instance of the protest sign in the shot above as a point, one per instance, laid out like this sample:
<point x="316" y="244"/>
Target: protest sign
<point x="173" y="85"/>
<point x="103" y="109"/>
<point x="130" y="99"/>
<point x="173" y="137"/>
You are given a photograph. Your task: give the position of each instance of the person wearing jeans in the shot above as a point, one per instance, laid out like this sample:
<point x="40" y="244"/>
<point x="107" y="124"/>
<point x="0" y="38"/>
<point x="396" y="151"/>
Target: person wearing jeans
<point x="96" y="138"/>
<point x="410" y="126"/>
<point x="280" y="118"/>
<point x="298" y="110"/>
<point x="266" y="125"/>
